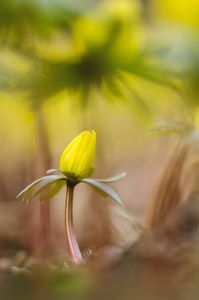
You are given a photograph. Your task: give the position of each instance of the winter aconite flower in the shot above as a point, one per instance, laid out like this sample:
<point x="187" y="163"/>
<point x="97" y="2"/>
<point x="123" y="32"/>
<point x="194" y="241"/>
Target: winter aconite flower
<point x="76" y="165"/>
<point x="77" y="160"/>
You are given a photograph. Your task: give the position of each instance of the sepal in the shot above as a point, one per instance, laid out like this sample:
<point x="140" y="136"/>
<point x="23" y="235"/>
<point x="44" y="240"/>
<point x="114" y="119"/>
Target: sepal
<point x="103" y="188"/>
<point x="111" y="179"/>
<point x="43" y="184"/>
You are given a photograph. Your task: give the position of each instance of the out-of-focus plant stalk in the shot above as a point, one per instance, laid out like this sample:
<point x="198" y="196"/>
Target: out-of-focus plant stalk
<point x="46" y="163"/>
<point x="71" y="240"/>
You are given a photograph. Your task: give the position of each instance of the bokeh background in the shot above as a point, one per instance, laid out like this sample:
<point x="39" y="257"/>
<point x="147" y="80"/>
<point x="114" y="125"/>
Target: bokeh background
<point x="128" y="69"/>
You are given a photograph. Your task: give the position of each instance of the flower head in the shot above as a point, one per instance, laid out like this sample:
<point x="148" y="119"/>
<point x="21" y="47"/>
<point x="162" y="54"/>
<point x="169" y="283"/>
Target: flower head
<point x="76" y="165"/>
<point x="77" y="160"/>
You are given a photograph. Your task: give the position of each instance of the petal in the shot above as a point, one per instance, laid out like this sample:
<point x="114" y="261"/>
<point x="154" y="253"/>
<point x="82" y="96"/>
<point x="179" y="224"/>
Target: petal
<point x="86" y="164"/>
<point x="73" y="151"/>
<point x="66" y="160"/>
<point x="78" y="158"/>
<point x="80" y="152"/>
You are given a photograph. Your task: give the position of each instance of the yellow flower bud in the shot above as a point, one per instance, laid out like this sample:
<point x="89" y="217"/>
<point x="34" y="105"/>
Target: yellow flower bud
<point x="77" y="160"/>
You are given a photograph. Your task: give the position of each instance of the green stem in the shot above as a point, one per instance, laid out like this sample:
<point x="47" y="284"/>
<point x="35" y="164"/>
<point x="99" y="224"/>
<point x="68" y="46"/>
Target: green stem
<point x="72" y="244"/>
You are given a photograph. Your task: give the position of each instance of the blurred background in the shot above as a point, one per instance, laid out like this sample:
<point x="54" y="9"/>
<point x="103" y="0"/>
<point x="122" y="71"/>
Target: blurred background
<point x="125" y="68"/>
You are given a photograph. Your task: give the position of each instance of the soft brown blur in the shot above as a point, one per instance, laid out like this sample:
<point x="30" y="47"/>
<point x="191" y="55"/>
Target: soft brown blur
<point x="163" y="263"/>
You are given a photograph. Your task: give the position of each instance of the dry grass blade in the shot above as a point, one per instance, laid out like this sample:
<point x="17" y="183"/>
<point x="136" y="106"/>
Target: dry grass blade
<point x="168" y="193"/>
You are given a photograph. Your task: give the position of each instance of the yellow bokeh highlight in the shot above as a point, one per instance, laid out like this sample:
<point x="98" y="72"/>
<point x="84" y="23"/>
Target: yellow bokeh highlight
<point x="183" y="11"/>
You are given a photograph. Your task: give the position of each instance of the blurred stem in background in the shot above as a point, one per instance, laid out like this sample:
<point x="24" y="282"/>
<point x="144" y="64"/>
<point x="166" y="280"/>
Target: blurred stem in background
<point x="43" y="246"/>
<point x="146" y="9"/>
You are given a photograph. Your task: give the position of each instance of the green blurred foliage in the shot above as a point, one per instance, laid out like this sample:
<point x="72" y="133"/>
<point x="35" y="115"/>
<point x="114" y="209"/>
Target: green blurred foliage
<point x="46" y="283"/>
<point x="75" y="62"/>
<point x="93" y="52"/>
<point x="71" y="65"/>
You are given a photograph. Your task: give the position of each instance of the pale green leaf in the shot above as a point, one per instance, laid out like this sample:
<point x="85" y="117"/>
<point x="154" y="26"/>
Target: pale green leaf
<point x="105" y="189"/>
<point x="39" y="185"/>
<point x="55" y="172"/>
<point x="111" y="179"/>
<point x="51" y="190"/>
